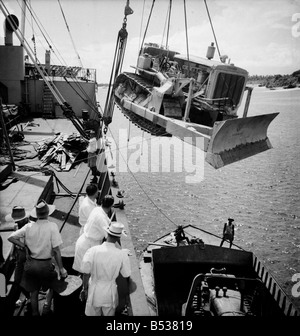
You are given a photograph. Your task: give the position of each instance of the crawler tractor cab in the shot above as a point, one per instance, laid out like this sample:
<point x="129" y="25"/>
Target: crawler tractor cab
<point x="221" y="85"/>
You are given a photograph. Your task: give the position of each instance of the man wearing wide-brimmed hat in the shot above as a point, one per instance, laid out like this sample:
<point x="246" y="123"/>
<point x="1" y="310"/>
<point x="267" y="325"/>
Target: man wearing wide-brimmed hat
<point x="101" y="266"/>
<point x="20" y="217"/>
<point x="41" y="240"/>
<point x="228" y="232"/>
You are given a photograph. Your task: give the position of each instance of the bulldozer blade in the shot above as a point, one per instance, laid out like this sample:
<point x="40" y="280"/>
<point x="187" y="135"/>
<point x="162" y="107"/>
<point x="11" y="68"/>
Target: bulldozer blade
<point x="233" y="140"/>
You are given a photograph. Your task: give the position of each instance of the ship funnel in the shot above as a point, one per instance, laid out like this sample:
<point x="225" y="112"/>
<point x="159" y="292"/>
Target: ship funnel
<point x="11" y="24"/>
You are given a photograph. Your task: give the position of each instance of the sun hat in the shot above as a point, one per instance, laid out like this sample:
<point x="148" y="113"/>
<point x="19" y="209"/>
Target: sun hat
<point x="42" y="209"/>
<point x="18" y="213"/>
<point x="231" y="219"/>
<point x="115" y="229"/>
<point x="120" y="194"/>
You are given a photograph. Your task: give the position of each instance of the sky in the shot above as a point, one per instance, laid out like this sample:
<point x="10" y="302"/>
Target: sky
<point x="261" y="36"/>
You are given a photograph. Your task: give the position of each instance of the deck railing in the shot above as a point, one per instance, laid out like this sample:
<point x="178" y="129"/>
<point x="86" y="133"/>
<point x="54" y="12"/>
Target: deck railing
<point x="274" y="288"/>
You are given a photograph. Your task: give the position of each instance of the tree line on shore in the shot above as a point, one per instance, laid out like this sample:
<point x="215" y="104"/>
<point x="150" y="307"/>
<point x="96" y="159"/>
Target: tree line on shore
<point x="269" y="81"/>
<point x="272" y="81"/>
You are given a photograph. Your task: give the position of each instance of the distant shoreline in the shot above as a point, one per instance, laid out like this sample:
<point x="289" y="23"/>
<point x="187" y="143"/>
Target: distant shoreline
<point x="276" y="88"/>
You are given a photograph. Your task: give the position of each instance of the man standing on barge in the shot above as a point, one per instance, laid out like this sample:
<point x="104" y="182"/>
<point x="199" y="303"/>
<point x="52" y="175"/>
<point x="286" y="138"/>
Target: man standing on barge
<point x="228" y="232"/>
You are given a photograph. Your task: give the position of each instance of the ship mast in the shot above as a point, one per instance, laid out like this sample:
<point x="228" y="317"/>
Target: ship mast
<point x="23" y="21"/>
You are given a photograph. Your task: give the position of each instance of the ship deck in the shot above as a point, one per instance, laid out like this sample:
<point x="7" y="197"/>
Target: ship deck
<point x="34" y="185"/>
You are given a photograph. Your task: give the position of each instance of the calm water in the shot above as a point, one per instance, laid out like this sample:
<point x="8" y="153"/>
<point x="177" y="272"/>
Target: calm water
<point x="261" y="193"/>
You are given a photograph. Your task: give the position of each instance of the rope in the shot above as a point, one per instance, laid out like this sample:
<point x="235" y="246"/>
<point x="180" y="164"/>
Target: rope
<point x="60" y="58"/>
<point x="137" y="182"/>
<point x="33" y="37"/>
<point x="212" y="28"/>
<point x="70" y="34"/>
<point x="76" y="198"/>
<point x="142" y="17"/>
<point x="186" y="37"/>
<point x="153" y="1"/>
<point x="169" y="21"/>
<point x="86" y="99"/>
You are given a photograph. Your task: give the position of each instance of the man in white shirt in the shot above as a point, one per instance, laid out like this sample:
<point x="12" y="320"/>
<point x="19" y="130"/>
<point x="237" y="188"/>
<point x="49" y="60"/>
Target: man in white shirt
<point x="93" y="232"/>
<point x="40" y="240"/>
<point x="93" y="149"/>
<point x="21" y="217"/>
<point x="101" y="266"/>
<point x="88" y="203"/>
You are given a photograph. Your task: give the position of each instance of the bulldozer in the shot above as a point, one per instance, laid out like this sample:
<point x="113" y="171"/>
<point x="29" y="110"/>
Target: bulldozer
<point x="195" y="99"/>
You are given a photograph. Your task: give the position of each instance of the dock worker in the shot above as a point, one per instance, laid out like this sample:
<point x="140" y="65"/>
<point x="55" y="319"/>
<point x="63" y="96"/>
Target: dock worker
<point x="93" y="151"/>
<point x="228" y="232"/>
<point x="41" y="240"/>
<point x="101" y="266"/>
<point x="87" y="204"/>
<point x="93" y="231"/>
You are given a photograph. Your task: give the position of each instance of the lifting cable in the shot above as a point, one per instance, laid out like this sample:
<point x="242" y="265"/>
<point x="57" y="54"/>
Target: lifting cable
<point x="33" y="37"/>
<point x="142" y="18"/>
<point x="29" y="51"/>
<point x="186" y="36"/>
<point x="70" y="34"/>
<point x="67" y="109"/>
<point x="169" y="22"/>
<point x="146" y="27"/>
<point x="86" y="99"/>
<point x="139" y="184"/>
<point x="59" y="57"/>
<point x="212" y="29"/>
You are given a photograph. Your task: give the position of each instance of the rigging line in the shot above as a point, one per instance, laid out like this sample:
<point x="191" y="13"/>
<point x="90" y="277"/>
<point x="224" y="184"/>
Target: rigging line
<point x="142" y="18"/>
<point x="32" y="29"/>
<point x="124" y="48"/>
<point x="38" y="23"/>
<point x="86" y="99"/>
<point x="212" y="29"/>
<point x="29" y="52"/>
<point x="57" y="54"/>
<point x="169" y="22"/>
<point x="70" y="33"/>
<point x="150" y="199"/>
<point x="186" y="37"/>
<point x="117" y="62"/>
<point x="163" y="34"/>
<point x="153" y="1"/>
<point x="111" y="76"/>
<point x="76" y="198"/>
